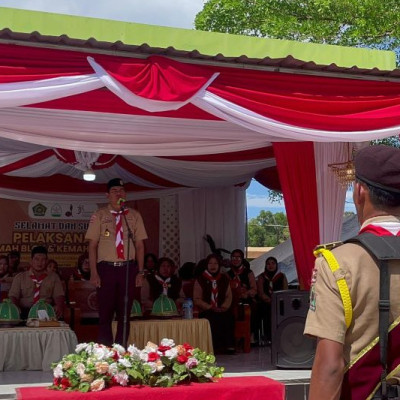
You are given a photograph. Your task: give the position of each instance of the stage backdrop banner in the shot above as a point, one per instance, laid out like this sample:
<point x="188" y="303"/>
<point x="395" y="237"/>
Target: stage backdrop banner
<point x="60" y="227"/>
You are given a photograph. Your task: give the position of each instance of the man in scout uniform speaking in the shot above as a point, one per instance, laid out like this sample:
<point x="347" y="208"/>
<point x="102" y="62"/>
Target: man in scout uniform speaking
<point x="109" y="259"/>
<point x="344" y="303"/>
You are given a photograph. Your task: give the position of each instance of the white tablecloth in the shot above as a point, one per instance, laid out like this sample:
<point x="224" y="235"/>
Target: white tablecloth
<point x="34" y="348"/>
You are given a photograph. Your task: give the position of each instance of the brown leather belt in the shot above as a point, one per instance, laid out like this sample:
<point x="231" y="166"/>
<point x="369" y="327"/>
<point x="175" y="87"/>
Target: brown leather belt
<point x="118" y="263"/>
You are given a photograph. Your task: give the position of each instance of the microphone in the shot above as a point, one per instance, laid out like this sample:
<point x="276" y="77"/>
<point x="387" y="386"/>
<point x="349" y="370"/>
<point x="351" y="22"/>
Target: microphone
<point x="121" y="203"/>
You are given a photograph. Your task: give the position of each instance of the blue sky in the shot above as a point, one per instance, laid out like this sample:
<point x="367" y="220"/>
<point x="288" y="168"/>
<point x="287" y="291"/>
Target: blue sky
<point x="257" y="200"/>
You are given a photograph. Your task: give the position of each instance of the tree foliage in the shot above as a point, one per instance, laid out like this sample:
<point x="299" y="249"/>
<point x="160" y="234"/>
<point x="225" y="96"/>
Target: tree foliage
<point x="370" y="23"/>
<point x="268" y="229"/>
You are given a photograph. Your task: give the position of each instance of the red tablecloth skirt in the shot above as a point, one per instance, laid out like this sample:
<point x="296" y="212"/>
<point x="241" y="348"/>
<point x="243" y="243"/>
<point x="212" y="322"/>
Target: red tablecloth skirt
<point x="243" y="388"/>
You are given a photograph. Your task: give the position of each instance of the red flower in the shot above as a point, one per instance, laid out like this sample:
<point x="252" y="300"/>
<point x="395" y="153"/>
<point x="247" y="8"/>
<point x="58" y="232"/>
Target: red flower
<point x="65" y="383"/>
<point x="115" y="356"/>
<point x="163" y="349"/>
<point x="187" y="346"/>
<point x="181" y="359"/>
<point x="56" y="381"/>
<point x="151" y="357"/>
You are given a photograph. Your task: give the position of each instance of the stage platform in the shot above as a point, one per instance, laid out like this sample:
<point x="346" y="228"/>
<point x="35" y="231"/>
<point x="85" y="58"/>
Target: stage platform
<point x="255" y="363"/>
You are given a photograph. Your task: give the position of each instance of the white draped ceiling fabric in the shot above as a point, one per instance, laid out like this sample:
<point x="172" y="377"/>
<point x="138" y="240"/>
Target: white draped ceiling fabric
<point x="165" y="126"/>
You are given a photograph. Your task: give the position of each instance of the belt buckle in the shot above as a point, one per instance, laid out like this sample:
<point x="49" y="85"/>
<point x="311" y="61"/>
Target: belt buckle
<point x="118" y="264"/>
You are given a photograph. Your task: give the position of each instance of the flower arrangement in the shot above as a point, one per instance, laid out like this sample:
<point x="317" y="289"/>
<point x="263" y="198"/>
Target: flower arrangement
<point x="94" y="367"/>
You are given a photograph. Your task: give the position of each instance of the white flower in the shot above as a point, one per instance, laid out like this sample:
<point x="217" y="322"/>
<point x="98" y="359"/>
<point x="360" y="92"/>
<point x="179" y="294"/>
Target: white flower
<point x="80" y="347"/>
<point x="167" y="342"/>
<point x="101" y="353"/>
<point x="89" y="348"/>
<point x="113" y="368"/>
<point x="58" y="371"/>
<point x="80" y="369"/>
<point x="153" y="367"/>
<point x="172" y="353"/>
<point x="134" y="352"/>
<point x="97" y="385"/>
<point x="118" y="348"/>
<point x="144" y="355"/>
<point x="125" y="362"/>
<point x="122" y="378"/>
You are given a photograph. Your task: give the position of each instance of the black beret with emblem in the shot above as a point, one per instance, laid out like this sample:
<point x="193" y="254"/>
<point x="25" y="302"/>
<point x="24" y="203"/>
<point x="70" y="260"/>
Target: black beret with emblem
<point x="114" y="182"/>
<point x="379" y="166"/>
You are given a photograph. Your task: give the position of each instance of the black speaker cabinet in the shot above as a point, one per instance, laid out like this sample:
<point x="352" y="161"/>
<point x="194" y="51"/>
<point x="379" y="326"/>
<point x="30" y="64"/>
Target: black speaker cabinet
<point x="290" y="349"/>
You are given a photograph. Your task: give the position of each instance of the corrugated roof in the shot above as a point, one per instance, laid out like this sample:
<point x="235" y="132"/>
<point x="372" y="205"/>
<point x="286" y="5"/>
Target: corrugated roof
<point x="285" y="64"/>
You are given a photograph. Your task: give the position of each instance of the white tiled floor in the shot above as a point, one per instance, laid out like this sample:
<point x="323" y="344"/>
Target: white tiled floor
<point x="257" y="362"/>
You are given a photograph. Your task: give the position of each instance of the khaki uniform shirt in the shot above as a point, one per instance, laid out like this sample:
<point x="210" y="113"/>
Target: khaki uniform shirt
<point x="325" y="317"/>
<point x="23" y="288"/>
<point x="102" y="230"/>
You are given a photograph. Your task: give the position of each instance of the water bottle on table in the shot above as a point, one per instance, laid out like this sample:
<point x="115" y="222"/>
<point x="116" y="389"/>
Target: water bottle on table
<point x="187" y="308"/>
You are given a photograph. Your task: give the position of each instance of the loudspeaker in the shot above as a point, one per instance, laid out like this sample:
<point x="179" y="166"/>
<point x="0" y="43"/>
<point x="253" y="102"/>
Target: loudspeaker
<point x="290" y="348"/>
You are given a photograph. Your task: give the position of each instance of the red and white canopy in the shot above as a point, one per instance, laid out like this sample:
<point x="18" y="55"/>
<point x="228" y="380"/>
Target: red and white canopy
<point x="164" y="125"/>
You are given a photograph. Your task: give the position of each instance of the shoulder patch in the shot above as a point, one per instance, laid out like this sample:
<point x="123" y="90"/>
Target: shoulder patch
<point x="313" y="295"/>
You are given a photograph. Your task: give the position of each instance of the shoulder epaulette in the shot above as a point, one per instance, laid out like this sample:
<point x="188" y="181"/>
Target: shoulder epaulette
<point x="325" y="251"/>
<point x="327" y="246"/>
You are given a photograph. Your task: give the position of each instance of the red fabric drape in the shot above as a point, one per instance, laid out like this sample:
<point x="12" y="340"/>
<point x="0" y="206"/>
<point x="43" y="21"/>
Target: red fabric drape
<point x="307" y="101"/>
<point x="250" y="388"/>
<point x="296" y="168"/>
<point x="159" y="78"/>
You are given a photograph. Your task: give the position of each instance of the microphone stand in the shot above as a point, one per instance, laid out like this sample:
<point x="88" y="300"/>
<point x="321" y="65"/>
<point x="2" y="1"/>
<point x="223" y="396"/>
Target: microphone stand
<point x="126" y="298"/>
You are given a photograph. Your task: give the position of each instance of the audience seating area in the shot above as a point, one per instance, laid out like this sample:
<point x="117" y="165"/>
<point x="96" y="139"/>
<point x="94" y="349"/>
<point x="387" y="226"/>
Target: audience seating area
<point x="81" y="310"/>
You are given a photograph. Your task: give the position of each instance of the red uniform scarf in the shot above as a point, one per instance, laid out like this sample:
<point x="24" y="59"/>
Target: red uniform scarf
<point x="214" y="287"/>
<point x="37" y="281"/>
<point x="119" y="233"/>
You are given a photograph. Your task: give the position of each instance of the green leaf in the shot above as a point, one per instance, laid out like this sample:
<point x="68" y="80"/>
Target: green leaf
<point x="84" y="387"/>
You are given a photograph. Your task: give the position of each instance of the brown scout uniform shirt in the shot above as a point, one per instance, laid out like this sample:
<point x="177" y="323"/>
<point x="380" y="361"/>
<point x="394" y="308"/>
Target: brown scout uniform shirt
<point x="23" y="288"/>
<point x="325" y="317"/>
<point x="102" y="229"/>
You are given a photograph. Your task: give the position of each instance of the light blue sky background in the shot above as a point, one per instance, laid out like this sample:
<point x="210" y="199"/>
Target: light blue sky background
<point x="175" y="13"/>
<point x="257" y="200"/>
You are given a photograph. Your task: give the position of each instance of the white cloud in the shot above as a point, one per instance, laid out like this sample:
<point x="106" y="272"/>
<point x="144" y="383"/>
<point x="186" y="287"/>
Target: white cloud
<point x="177" y="13"/>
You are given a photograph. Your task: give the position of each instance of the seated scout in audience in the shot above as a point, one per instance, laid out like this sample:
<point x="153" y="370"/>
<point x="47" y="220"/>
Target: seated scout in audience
<point x="4" y="269"/>
<point x="213" y="296"/>
<point x="36" y="283"/>
<point x="163" y="281"/>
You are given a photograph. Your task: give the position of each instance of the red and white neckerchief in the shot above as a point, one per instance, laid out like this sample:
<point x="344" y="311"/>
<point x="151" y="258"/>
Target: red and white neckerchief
<point x="214" y="287"/>
<point x="119" y="233"/>
<point x="164" y="283"/>
<point x="236" y="277"/>
<point x="386" y="228"/>
<point x="272" y="280"/>
<point x="37" y="281"/>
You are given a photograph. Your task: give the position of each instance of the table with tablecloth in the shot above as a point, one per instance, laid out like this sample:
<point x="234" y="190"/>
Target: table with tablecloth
<point x="242" y="388"/>
<point x="196" y="332"/>
<point x="23" y="348"/>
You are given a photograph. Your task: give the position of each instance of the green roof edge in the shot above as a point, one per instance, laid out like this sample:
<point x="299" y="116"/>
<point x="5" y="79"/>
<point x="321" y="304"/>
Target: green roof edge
<point x="208" y="43"/>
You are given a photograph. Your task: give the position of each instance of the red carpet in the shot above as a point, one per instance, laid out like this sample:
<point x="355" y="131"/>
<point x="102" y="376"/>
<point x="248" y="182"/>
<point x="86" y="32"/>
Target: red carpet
<point x="243" y="388"/>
